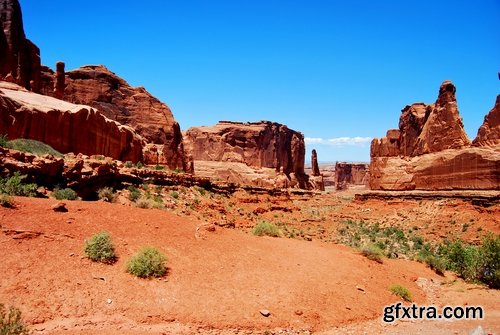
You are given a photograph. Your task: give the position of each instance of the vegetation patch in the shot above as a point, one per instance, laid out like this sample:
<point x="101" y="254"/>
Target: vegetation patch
<point x="65" y="194"/>
<point x="35" y="147"/>
<point x="148" y="262"/>
<point x="15" y="185"/>
<point x="106" y="194"/>
<point x="11" y="322"/>
<point x="401" y="292"/>
<point x="134" y="193"/>
<point x="6" y="201"/>
<point x="264" y="228"/>
<point x="373" y="252"/>
<point x="99" y="248"/>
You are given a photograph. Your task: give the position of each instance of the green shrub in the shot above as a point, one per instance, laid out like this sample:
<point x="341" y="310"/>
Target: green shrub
<point x="35" y="147"/>
<point x="134" y="193"/>
<point x="128" y="164"/>
<point x="401" y="292"/>
<point x="461" y="258"/>
<point x="489" y="263"/>
<point x="159" y="167"/>
<point x="11" y="322"/>
<point x="373" y="252"/>
<point x="266" y="228"/>
<point x="100" y="248"/>
<point x="14" y="186"/>
<point x="65" y="194"/>
<point x="106" y="194"/>
<point x="6" y="201"/>
<point x="4" y="139"/>
<point x="144" y="203"/>
<point x="174" y="194"/>
<point x="139" y="165"/>
<point x="148" y="262"/>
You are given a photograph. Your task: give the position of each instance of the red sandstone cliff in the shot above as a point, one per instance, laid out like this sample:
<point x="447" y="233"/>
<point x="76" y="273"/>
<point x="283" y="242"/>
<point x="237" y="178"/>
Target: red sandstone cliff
<point x="100" y="88"/>
<point x="430" y="150"/>
<point x="66" y="127"/>
<point x="260" y="153"/>
<point x="348" y="174"/>
<point x="489" y="132"/>
<point x="19" y="57"/>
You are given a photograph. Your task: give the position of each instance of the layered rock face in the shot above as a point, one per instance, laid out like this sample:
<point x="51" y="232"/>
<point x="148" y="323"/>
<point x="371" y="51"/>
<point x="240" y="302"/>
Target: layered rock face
<point x="19" y="57"/>
<point x="259" y="145"/>
<point x="431" y="151"/>
<point x="347" y="174"/>
<point x="64" y="126"/>
<point x="100" y="88"/>
<point x="489" y="132"/>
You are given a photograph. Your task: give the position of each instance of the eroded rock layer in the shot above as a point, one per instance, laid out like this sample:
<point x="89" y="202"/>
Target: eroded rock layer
<point x="349" y="174"/>
<point x="64" y="126"/>
<point x="19" y="57"/>
<point x="257" y="145"/>
<point x="430" y="150"/>
<point x="100" y="88"/>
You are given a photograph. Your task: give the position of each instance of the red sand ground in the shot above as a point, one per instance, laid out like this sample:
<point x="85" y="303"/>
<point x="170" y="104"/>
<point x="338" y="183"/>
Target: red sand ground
<point x="217" y="281"/>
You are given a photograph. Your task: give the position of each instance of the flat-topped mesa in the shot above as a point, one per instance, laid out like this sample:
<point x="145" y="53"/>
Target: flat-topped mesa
<point x="19" y="57"/>
<point x="431" y="151"/>
<point x="489" y="132"/>
<point x="64" y="126"/>
<point x="257" y="144"/>
<point x="96" y="86"/>
<point x="260" y="153"/>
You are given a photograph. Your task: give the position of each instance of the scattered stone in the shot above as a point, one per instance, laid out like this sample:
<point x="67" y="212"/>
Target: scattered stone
<point x="60" y="207"/>
<point x="360" y="288"/>
<point x="265" y="312"/>
<point x="109" y="301"/>
<point x="299" y="312"/>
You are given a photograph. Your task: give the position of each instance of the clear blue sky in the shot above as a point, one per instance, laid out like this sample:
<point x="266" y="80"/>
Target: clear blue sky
<point x="340" y="70"/>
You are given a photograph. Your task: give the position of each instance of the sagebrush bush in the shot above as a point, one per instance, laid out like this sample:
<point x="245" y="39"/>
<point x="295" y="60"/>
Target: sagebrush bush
<point x="489" y="262"/>
<point x="4" y="139"/>
<point x="11" y="322"/>
<point x="129" y="164"/>
<point x="373" y="252"/>
<point x="106" y="194"/>
<point x="401" y="292"/>
<point x="264" y="228"/>
<point x="134" y="193"/>
<point x="99" y="248"/>
<point x="6" y="201"/>
<point x="14" y="185"/>
<point x="65" y="194"/>
<point x="174" y="195"/>
<point x="148" y="262"/>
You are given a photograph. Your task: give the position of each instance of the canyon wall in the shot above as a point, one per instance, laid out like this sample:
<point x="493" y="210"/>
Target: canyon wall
<point x="251" y="146"/>
<point x="64" y="126"/>
<point x="431" y="151"/>
<point x="19" y="57"/>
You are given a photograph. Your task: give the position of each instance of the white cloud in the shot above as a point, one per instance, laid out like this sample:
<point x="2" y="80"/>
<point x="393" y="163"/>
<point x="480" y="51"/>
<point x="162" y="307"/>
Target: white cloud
<point x="339" y="141"/>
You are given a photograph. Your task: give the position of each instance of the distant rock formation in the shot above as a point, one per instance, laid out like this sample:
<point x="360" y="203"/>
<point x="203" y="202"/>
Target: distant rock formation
<point x="64" y="126"/>
<point x="431" y="151"/>
<point x="349" y="174"/>
<point x="255" y="145"/>
<point x="96" y="86"/>
<point x="314" y="163"/>
<point x="60" y="81"/>
<point x="19" y="57"/>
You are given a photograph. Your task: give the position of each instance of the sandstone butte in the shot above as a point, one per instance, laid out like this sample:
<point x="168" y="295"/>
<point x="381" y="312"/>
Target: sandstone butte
<point x="96" y="87"/>
<point x="65" y="126"/>
<point x="258" y="153"/>
<point x="431" y="151"/>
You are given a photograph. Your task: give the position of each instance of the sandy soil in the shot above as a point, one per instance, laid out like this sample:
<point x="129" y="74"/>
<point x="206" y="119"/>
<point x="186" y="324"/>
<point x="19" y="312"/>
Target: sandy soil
<point x="218" y="281"/>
